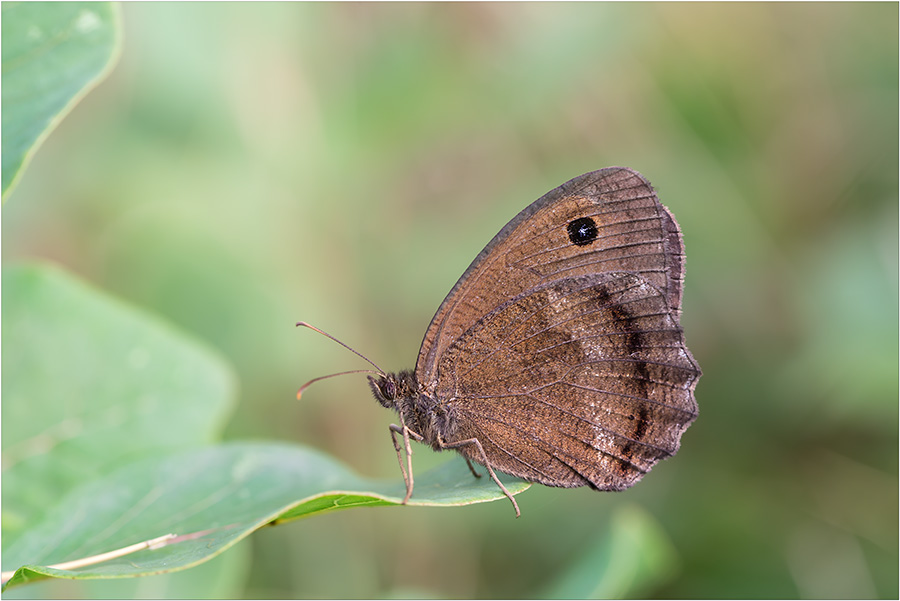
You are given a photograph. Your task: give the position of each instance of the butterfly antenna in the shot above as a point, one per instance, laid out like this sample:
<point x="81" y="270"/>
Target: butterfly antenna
<point x="378" y="371"/>
<point x="343" y="373"/>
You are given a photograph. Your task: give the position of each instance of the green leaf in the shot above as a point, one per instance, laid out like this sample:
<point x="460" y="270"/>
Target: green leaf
<point x="627" y="561"/>
<point x="223" y="577"/>
<point x="99" y="403"/>
<point x="210" y="499"/>
<point x="53" y="54"/>
<point x="90" y="384"/>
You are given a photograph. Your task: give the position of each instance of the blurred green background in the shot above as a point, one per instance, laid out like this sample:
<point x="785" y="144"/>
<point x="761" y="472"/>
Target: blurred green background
<point x="247" y="166"/>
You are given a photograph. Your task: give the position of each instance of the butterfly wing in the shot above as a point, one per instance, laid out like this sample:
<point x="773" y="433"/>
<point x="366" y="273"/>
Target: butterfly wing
<point x="560" y="347"/>
<point x="633" y="232"/>
<point x="585" y="380"/>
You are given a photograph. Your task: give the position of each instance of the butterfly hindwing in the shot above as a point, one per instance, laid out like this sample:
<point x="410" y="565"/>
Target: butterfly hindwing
<point x="584" y="380"/>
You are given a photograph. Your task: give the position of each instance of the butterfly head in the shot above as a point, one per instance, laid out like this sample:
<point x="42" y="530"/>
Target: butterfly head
<point x="389" y="389"/>
<point x="384" y="388"/>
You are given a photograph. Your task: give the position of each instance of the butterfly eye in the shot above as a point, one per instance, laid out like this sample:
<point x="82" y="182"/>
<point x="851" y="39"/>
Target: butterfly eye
<point x="390" y="389"/>
<point x="582" y="231"/>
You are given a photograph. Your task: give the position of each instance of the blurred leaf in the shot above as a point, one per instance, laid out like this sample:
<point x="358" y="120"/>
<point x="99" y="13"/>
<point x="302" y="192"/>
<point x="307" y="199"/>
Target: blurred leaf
<point x="846" y="300"/>
<point x="411" y="593"/>
<point x="89" y="385"/>
<point x="53" y="54"/>
<point x="630" y="559"/>
<point x="211" y="498"/>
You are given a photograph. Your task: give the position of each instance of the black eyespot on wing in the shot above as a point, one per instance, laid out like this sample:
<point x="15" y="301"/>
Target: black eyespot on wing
<point x="582" y="231"/>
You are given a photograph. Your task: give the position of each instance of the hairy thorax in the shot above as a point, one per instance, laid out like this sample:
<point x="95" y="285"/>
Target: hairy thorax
<point x="422" y="414"/>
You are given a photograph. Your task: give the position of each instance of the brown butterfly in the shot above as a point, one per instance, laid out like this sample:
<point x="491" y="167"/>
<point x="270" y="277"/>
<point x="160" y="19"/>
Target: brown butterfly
<point x="558" y="356"/>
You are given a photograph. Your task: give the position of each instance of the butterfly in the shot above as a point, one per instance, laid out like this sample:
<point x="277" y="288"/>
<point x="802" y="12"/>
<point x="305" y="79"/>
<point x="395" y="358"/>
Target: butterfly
<point x="558" y="357"/>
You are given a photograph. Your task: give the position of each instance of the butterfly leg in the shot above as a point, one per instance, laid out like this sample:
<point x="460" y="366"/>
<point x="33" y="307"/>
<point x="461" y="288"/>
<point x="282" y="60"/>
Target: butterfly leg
<point x="477" y="443"/>
<point x="472" y="468"/>
<point x="406" y="471"/>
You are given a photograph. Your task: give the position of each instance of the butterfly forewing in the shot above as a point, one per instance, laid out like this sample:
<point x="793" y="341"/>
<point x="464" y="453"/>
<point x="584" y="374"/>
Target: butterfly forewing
<point x="633" y="232"/>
